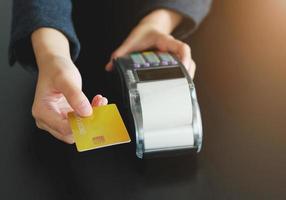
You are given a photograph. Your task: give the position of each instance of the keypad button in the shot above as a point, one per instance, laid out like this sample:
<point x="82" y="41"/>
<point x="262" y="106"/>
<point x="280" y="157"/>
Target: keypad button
<point x="167" y="59"/>
<point x="164" y="62"/>
<point x="155" y="64"/>
<point x="146" y="64"/>
<point x="137" y="58"/>
<point x="174" y="62"/>
<point x="136" y="65"/>
<point x="151" y="58"/>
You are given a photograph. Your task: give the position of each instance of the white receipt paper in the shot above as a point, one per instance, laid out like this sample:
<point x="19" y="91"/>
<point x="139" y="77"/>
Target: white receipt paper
<point x="167" y="113"/>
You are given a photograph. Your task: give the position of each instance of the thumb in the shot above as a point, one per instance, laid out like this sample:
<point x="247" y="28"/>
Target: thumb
<point x="75" y="97"/>
<point x="125" y="48"/>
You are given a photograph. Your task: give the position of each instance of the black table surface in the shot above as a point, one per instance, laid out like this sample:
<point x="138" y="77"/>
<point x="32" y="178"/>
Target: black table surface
<point x="240" y="55"/>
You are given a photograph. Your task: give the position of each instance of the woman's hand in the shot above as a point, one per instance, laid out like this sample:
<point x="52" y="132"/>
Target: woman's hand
<point x="59" y="86"/>
<point x="153" y="32"/>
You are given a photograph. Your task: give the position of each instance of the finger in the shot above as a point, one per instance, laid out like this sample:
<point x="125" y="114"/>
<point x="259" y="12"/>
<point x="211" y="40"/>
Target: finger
<point x="54" y="118"/>
<point x="192" y="69"/>
<point x="126" y="47"/>
<point x="56" y="122"/>
<point x="182" y="50"/>
<point x="170" y="44"/>
<point x="104" y="101"/>
<point x="96" y="100"/>
<point x="121" y="51"/>
<point x="109" y="65"/>
<point x="75" y="97"/>
<point x="65" y="138"/>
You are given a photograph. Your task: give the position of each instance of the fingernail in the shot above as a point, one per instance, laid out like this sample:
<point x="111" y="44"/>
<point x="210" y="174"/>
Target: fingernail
<point x="104" y="101"/>
<point x="96" y="99"/>
<point x="98" y="96"/>
<point x="101" y="102"/>
<point x="108" y="67"/>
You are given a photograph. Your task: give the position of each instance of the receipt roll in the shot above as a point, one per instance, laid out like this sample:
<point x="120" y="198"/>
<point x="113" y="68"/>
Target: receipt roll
<point x="162" y="101"/>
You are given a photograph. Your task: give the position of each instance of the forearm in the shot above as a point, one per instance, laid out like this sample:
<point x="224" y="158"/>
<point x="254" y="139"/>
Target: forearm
<point x="49" y="43"/>
<point x="163" y="20"/>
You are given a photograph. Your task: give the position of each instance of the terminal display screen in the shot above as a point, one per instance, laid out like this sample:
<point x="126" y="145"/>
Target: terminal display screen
<point x="160" y="73"/>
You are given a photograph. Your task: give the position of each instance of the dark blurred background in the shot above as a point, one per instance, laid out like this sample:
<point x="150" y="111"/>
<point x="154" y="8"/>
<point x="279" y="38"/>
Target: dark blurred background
<point x="240" y="51"/>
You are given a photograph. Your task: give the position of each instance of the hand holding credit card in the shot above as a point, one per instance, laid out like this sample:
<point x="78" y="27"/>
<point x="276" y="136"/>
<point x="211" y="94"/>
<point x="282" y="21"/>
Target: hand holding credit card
<point x="104" y="127"/>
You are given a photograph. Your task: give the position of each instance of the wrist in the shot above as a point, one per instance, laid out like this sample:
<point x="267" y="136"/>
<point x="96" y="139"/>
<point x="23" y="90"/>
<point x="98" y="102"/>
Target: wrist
<point x="46" y="58"/>
<point x="162" y="20"/>
<point x="54" y="64"/>
<point x="49" y="44"/>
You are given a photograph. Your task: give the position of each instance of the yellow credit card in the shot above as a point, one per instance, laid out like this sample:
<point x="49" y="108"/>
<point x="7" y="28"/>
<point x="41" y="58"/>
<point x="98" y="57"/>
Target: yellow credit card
<point x="104" y="127"/>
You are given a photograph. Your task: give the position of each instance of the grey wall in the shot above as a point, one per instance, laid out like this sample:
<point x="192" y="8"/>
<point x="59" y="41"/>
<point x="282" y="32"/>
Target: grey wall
<point x="14" y="81"/>
<point x="5" y="14"/>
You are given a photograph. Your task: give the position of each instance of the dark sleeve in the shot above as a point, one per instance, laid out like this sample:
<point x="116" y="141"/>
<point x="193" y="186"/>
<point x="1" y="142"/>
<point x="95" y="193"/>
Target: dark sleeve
<point x="193" y="12"/>
<point x="29" y="15"/>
